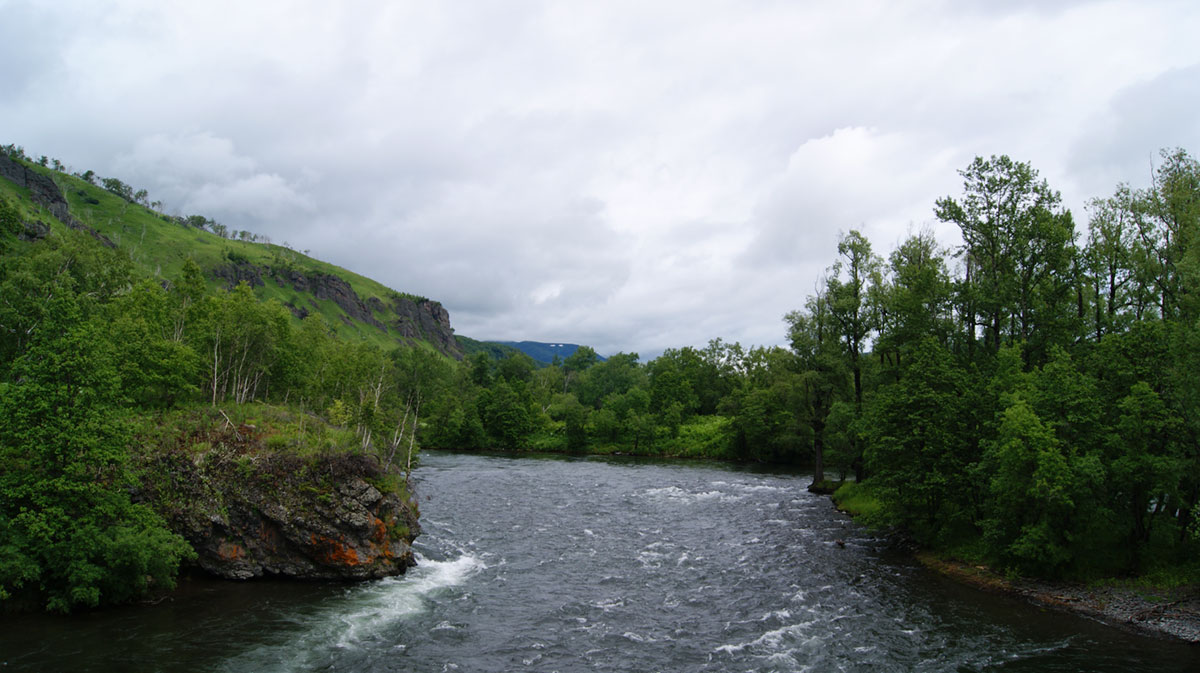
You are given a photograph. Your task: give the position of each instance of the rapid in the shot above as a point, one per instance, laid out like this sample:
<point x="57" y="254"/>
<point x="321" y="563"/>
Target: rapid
<point x="573" y="564"/>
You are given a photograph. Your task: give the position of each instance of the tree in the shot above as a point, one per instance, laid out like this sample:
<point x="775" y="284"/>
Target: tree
<point x="765" y="409"/>
<point x="481" y="369"/>
<point x="117" y="187"/>
<point x="238" y="338"/>
<point x="615" y="375"/>
<point x="155" y="369"/>
<point x="1110" y="265"/>
<point x="914" y="303"/>
<point x="577" y="362"/>
<point x="850" y="315"/>
<point x="575" y="420"/>
<point x="815" y="344"/>
<point x="420" y="375"/>
<point x="670" y="387"/>
<point x="1146" y="463"/>
<point x="516" y="367"/>
<point x="29" y="282"/>
<point x="1018" y="248"/>
<point x="1169" y="230"/>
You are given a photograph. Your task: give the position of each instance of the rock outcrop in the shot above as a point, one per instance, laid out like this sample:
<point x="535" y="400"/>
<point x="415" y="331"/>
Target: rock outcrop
<point x="411" y="318"/>
<point x="250" y="513"/>
<point x="44" y="192"/>
<point x="239" y="272"/>
<point x="331" y="287"/>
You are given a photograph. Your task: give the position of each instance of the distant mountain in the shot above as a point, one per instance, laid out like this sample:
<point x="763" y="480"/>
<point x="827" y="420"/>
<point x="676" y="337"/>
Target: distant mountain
<point x="541" y="351"/>
<point x="496" y="351"/>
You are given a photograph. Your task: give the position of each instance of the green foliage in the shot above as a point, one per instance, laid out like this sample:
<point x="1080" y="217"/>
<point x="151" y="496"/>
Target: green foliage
<point x="516" y="367"/>
<point x="117" y="187"/>
<point x="339" y="414"/>
<point x="10" y="222"/>
<point x="916" y="445"/>
<point x="1019" y="248"/>
<point x="1030" y="484"/>
<point x="505" y="412"/>
<point x="703" y="437"/>
<point x="72" y="537"/>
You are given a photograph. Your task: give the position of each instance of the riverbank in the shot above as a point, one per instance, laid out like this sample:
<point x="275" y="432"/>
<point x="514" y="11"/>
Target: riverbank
<point x="1167" y="613"/>
<point x="1171" y="613"/>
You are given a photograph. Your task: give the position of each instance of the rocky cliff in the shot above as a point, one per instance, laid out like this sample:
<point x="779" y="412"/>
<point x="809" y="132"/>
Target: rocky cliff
<point x="44" y="192"/>
<point x="409" y="318"/>
<point x="249" y="511"/>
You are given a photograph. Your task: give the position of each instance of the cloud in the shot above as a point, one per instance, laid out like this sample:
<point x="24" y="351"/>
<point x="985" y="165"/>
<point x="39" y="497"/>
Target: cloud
<point x="201" y="173"/>
<point x="1125" y="135"/>
<point x="630" y="175"/>
<point x="854" y="178"/>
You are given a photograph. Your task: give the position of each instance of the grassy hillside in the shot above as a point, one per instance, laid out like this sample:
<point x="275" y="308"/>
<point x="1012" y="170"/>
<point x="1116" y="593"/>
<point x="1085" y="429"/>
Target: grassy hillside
<point x="158" y="245"/>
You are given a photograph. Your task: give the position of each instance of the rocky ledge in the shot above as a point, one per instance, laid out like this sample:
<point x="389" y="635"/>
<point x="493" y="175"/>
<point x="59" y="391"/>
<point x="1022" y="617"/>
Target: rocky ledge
<point x="1170" y="614"/>
<point x="250" y="513"/>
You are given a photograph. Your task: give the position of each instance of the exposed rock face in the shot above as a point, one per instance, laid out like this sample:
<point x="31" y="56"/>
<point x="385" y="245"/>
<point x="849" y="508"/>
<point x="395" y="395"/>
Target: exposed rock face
<point x="34" y="231"/>
<point x="237" y="272"/>
<point x="425" y="319"/>
<point x="333" y="288"/>
<point x="41" y="188"/>
<point x="43" y="191"/>
<point x="412" y="319"/>
<point x="252" y="515"/>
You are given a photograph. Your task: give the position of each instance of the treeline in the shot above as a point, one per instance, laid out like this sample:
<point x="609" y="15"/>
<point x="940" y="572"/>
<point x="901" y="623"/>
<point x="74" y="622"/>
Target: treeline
<point x="1030" y="398"/>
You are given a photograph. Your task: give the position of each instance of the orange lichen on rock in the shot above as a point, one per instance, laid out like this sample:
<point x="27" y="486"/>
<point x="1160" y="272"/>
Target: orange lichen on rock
<point x="230" y="551"/>
<point x="336" y="552"/>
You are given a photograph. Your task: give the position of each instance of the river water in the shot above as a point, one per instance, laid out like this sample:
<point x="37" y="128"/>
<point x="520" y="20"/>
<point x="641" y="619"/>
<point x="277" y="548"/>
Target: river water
<point x="556" y="564"/>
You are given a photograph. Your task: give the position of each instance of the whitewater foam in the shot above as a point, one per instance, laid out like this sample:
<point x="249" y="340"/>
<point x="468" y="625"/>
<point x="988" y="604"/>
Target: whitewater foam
<point x="363" y="615"/>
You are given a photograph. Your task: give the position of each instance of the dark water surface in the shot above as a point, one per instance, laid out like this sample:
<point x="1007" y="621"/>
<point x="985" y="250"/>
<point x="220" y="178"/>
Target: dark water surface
<point x="555" y="564"/>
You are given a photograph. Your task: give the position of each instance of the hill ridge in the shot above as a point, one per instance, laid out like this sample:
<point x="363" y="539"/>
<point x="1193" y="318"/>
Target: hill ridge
<point x="355" y="306"/>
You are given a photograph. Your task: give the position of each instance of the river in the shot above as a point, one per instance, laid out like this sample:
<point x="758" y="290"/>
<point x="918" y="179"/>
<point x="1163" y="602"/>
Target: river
<point x="558" y="564"/>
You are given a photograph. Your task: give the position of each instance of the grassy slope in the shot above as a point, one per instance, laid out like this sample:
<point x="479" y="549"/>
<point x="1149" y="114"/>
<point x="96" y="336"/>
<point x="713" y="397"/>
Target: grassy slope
<point x="159" y="247"/>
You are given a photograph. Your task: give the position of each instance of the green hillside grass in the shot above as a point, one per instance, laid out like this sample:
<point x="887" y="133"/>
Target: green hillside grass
<point x="158" y="245"/>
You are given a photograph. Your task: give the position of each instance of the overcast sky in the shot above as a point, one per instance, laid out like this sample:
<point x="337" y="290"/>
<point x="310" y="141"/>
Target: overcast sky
<point x="629" y="175"/>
